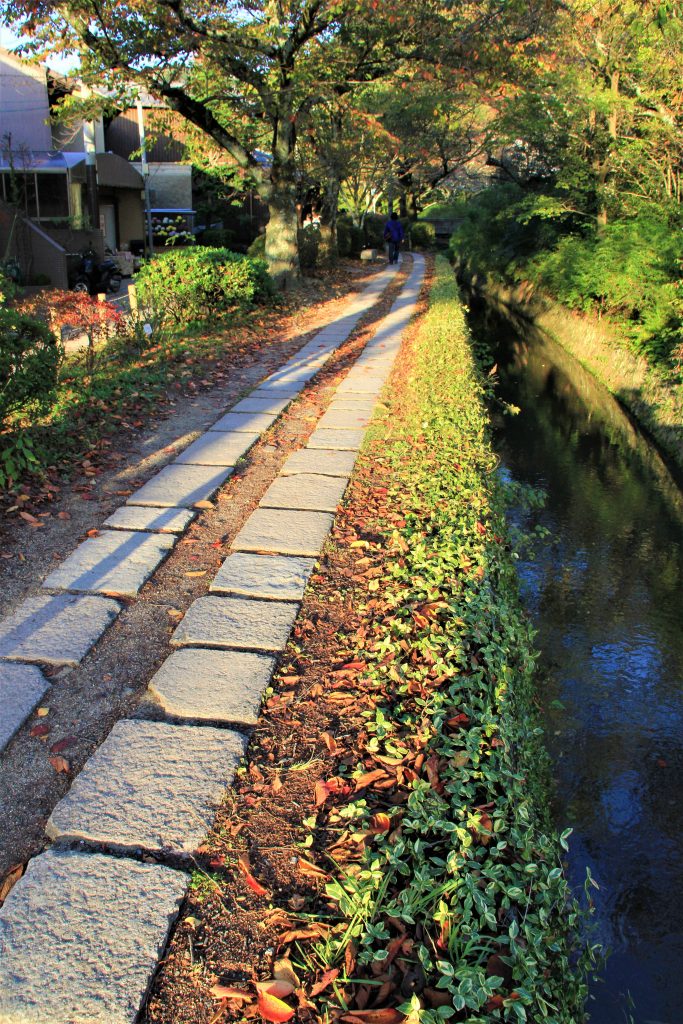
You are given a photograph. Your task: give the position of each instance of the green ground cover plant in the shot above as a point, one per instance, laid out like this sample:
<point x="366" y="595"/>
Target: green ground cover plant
<point x="463" y="882"/>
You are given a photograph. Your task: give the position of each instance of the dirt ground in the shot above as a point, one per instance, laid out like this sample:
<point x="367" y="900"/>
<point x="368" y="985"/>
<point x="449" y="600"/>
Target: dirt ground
<point x="86" y="701"/>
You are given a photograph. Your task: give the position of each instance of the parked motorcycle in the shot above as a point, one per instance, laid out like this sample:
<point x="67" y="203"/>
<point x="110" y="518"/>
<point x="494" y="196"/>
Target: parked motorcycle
<point x="93" y="275"/>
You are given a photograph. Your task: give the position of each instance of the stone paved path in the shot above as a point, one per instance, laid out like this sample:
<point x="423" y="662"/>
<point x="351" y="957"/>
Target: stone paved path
<point x="81" y="932"/>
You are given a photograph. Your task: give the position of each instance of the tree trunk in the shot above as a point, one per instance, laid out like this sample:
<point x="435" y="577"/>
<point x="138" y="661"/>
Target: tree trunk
<point x="328" y="253"/>
<point x="282" y="250"/>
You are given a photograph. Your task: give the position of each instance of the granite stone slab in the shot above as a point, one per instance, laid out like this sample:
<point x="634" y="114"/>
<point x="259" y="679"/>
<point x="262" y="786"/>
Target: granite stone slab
<point x="150" y="786"/>
<point x="313" y="491"/>
<point x="217" y="686"/>
<point x="319" y="460"/>
<point x="344" y="419"/>
<point x="344" y="440"/>
<point x="354" y="403"/>
<point x="283" y="532"/>
<point x="261" y="404"/>
<point x="58" y="630"/>
<point x="218" y="448"/>
<point x="150" y="520"/>
<point x="279" y="389"/>
<point x="117" y="562"/>
<point x="21" y="687"/>
<point x="236" y="622"/>
<point x="275" y="577"/>
<point x="245" y="422"/>
<point x="80" y="938"/>
<point x="180" y="486"/>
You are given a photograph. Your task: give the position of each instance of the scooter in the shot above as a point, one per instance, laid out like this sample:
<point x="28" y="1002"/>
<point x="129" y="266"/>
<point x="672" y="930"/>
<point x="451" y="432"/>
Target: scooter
<point x="95" y="276"/>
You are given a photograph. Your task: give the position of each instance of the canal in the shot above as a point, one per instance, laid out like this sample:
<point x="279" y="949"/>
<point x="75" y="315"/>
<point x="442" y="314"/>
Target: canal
<point x="605" y="593"/>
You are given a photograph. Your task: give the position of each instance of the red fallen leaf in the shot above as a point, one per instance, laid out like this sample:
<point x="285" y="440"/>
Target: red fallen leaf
<point x="61" y="745"/>
<point x="385" y="1016"/>
<point x="369" y="777"/>
<point x="327" y="979"/>
<point x="244" y="867"/>
<point x="226" y="992"/>
<point x="92" y="533"/>
<point x="380" y="822"/>
<point x="217" y="861"/>
<point x="40" y="730"/>
<point x="278" y="987"/>
<point x="330" y="787"/>
<point x="355" y="666"/>
<point x="457" y="720"/>
<point x="494" y="1003"/>
<point x="59" y="763"/>
<point x="497" y="742"/>
<point x="63" y="515"/>
<point x="273" y="1009"/>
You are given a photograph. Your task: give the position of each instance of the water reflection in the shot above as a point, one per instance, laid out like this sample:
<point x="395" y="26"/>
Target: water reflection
<point x="605" y="595"/>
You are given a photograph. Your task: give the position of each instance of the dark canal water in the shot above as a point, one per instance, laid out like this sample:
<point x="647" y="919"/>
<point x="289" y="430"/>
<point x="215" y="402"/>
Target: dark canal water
<point x="605" y="592"/>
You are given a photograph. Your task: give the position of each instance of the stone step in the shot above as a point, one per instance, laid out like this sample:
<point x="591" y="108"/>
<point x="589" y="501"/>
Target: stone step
<point x="217" y="448"/>
<point x="21" y="687"/>
<point x="326" y="461"/>
<point x="118" y="562"/>
<point x="151" y="520"/>
<point x="236" y="622"/>
<point x="214" y="686"/>
<point x="179" y="486"/>
<point x="150" y="787"/>
<point x="57" y="630"/>
<point x="245" y="422"/>
<point x="307" y="491"/>
<point x="272" y="577"/>
<point x="80" y="938"/>
<point x="343" y="440"/>
<point x="283" y="532"/>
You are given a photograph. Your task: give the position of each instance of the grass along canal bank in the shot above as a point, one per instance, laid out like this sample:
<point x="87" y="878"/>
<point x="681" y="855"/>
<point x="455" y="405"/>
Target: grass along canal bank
<point x="387" y="852"/>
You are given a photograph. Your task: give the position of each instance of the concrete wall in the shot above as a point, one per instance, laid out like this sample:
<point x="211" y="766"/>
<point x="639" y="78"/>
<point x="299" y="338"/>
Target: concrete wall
<point x="35" y="251"/>
<point x="131" y="217"/>
<point x="24" y="108"/>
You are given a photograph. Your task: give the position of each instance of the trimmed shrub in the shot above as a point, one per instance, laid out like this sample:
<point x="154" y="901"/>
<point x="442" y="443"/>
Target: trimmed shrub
<point x="200" y="283"/>
<point x="29" y="361"/>
<point x="349" y="237"/>
<point x="423" y="235"/>
<point x="373" y="231"/>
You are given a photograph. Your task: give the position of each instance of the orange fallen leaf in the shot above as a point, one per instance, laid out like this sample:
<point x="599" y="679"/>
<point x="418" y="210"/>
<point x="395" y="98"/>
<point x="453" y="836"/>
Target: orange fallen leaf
<point x="284" y="971"/>
<point x="312" y="870"/>
<point x="369" y="777"/>
<point x="273" y="1009"/>
<point x="59" y="763"/>
<point x="196" y="572"/>
<point x="203" y="504"/>
<point x="31" y="520"/>
<point x="380" y="822"/>
<point x="227" y="992"/>
<point x="329" y="741"/>
<point x="245" y="868"/>
<point x="278" y="987"/>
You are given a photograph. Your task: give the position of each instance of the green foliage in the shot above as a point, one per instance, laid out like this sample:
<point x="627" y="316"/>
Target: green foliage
<point x="8" y="288"/>
<point x="629" y="271"/>
<point x="29" y="362"/>
<point x="349" y="237"/>
<point x="309" y="245"/>
<point x="257" y="249"/>
<point x="471" y="858"/>
<point x="423" y="235"/>
<point x="441" y="211"/>
<point x="218" y="238"/>
<point x="373" y="231"/>
<point x="202" y="283"/>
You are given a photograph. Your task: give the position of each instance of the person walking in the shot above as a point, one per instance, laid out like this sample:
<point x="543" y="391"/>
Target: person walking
<point x="394" y="235"/>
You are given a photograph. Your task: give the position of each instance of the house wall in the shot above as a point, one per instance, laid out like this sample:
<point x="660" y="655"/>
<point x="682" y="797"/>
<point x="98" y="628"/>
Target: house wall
<point x="35" y="251"/>
<point x="131" y="218"/>
<point x="170" y="186"/>
<point x="24" y="108"/>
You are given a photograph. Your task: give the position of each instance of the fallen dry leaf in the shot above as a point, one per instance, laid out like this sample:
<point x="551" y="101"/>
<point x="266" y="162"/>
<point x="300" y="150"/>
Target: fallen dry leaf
<point x="10" y="879"/>
<point x="227" y="992"/>
<point x="273" y="1009"/>
<point x="59" y="763"/>
<point x="245" y="869"/>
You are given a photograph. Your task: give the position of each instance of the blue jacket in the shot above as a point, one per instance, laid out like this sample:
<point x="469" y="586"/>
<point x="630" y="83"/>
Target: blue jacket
<point x="393" y="231"/>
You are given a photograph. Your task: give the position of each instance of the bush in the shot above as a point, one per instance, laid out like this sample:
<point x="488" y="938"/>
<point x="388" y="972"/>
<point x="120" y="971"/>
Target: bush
<point x="218" y="238"/>
<point x="200" y="283"/>
<point x="373" y="231"/>
<point x="29" y="361"/>
<point x="423" y="235"/>
<point x="349" y="237"/>
<point x="309" y="246"/>
<point x="258" y="247"/>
